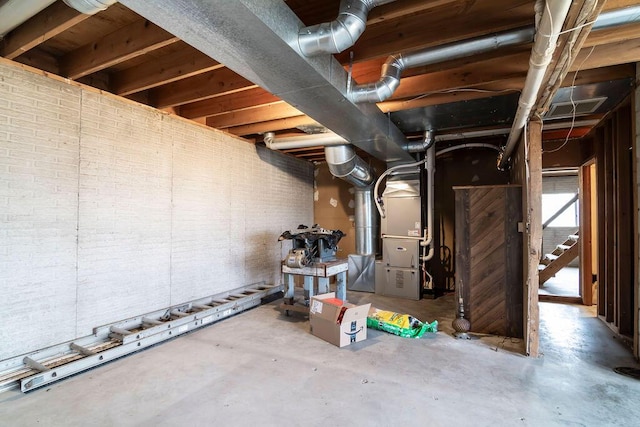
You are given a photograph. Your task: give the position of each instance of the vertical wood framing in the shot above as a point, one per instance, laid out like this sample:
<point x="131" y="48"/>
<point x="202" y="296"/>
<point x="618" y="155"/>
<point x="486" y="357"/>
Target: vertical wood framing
<point x="534" y="221"/>
<point x="585" y="235"/>
<point x="624" y="226"/>
<point x="602" y="240"/>
<point x="636" y="198"/>
<point x="609" y="223"/>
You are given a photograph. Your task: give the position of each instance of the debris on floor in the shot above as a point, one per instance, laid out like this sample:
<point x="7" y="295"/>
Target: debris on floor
<point x="402" y="325"/>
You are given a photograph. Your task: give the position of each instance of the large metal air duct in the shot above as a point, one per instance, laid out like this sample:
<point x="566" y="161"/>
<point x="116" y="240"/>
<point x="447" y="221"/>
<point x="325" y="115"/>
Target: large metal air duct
<point x="90" y="7"/>
<point x="341" y="33"/>
<point x="15" y="12"/>
<point x="396" y="64"/>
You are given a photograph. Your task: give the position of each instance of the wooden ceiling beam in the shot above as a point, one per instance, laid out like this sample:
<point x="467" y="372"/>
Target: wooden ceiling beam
<point x="402" y="9"/>
<point x="612" y="35"/>
<point x="186" y="62"/>
<point x="128" y="42"/>
<point x="260" y="113"/>
<point x="208" y="85"/>
<point x="50" y="22"/>
<point x="225" y="103"/>
<point x="607" y="55"/>
<point x="273" y="125"/>
<point x="599" y="75"/>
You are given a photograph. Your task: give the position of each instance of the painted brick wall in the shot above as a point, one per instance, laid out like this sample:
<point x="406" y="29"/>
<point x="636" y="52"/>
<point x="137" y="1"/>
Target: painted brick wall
<point x="109" y="209"/>
<point x="39" y="148"/>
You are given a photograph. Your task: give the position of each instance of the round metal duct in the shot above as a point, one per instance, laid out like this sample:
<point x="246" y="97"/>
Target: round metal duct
<point x="89" y="7"/>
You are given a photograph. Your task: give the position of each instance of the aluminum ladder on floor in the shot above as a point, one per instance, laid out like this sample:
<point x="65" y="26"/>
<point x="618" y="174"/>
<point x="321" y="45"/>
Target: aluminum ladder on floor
<point x="109" y="342"/>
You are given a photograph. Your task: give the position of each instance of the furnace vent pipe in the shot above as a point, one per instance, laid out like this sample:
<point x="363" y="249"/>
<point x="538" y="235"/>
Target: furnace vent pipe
<point x="89" y="7"/>
<point x="396" y="64"/>
<point x="550" y="25"/>
<point x="344" y="163"/>
<point x="340" y="34"/>
<point x="418" y="147"/>
<point x="303" y="141"/>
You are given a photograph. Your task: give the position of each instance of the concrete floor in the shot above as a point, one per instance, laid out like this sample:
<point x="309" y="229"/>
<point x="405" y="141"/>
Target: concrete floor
<point x="261" y="368"/>
<point x="566" y="283"/>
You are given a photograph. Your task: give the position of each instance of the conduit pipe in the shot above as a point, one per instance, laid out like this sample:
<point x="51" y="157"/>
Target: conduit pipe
<point x="550" y="25"/>
<point x="89" y="7"/>
<point x="303" y="141"/>
<point x="341" y="33"/>
<point x="396" y="64"/>
<point x="468" y="145"/>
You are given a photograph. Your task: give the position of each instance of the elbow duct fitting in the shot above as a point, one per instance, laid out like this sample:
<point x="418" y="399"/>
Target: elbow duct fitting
<point x="89" y="7"/>
<point x="340" y="34"/>
<point x="344" y="163"/>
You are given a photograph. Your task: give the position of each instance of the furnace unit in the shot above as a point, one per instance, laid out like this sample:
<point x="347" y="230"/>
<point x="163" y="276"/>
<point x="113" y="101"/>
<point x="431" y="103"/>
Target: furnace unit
<point x="398" y="272"/>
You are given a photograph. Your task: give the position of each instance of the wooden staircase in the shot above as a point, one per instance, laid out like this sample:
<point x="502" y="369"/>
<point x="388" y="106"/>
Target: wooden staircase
<point x="561" y="256"/>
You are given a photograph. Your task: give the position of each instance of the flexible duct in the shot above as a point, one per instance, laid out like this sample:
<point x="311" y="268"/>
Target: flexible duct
<point x="396" y="64"/>
<point x="340" y="34"/>
<point x="89" y="7"/>
<point x="544" y="45"/>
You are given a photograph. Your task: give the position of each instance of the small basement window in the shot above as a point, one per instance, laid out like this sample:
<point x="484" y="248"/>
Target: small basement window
<point x="551" y="203"/>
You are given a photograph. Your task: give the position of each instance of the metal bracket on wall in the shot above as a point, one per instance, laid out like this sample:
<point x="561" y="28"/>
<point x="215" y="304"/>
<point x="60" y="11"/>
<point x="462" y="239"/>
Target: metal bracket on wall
<point x="109" y="342"/>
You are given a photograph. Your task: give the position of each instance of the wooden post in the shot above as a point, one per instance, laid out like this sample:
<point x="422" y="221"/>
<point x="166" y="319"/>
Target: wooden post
<point x="636" y="200"/>
<point x="534" y="221"/>
<point x="586" y="239"/>
<point x="624" y="225"/>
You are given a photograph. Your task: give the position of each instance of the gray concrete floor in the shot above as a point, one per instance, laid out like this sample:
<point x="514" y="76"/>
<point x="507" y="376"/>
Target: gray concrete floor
<point x="261" y="368"/>
<point x="566" y="283"/>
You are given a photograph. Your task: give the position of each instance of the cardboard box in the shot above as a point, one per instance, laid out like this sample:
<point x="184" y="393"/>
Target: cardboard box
<point x="338" y="322"/>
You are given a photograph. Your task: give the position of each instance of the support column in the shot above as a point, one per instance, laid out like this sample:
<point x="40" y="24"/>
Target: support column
<point x="636" y="245"/>
<point x="533" y="217"/>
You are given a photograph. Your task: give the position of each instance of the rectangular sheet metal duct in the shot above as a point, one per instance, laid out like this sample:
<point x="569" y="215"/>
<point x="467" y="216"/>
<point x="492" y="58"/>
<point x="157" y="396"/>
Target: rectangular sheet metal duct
<point x="259" y="41"/>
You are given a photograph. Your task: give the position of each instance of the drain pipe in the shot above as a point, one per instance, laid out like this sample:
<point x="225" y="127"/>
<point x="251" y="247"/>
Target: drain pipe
<point x="396" y="64"/>
<point x="340" y="34"/>
<point x="89" y="7"/>
<point x="550" y="25"/>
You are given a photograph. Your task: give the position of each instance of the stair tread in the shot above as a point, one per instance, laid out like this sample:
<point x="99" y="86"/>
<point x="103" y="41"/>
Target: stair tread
<point x="563" y="247"/>
<point x="573" y="237"/>
<point x="551" y="257"/>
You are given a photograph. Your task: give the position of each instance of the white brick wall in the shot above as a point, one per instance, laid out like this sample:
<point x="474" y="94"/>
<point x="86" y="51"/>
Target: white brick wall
<point x="38" y="210"/>
<point x="109" y="209"/>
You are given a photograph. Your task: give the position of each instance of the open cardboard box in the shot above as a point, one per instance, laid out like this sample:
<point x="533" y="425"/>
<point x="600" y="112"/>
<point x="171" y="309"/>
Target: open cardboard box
<point x="338" y="322"/>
